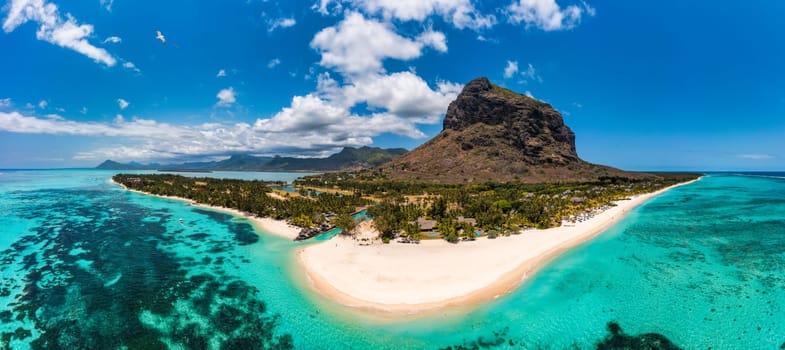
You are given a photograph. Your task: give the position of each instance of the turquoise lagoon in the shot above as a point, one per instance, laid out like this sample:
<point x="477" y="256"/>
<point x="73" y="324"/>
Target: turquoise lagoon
<point x="85" y="264"/>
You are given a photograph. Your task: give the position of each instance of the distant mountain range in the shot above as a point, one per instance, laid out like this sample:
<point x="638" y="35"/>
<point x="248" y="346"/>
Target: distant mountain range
<point x="347" y="159"/>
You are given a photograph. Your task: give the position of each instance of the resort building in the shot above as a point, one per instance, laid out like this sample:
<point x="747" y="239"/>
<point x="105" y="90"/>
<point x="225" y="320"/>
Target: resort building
<point x="426" y="225"/>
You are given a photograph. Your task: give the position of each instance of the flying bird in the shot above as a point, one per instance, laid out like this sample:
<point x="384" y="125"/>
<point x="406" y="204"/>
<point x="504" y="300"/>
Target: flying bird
<point x="160" y="36"/>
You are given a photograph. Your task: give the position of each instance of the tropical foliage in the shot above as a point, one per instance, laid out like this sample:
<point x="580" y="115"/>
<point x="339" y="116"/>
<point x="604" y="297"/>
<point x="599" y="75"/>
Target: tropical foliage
<point x="493" y="209"/>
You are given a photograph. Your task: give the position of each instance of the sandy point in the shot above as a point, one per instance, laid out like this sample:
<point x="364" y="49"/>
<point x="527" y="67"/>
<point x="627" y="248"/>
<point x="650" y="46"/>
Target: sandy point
<point x="410" y="279"/>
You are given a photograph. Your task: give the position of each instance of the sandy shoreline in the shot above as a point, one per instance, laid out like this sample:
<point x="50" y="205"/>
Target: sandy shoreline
<point x="277" y="227"/>
<point x="408" y="279"/>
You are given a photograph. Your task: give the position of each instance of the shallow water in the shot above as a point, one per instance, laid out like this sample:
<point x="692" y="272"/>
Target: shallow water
<point x="88" y="265"/>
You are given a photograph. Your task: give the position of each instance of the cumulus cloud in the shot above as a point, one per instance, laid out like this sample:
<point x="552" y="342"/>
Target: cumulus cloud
<point x="357" y="46"/>
<point x="366" y="102"/>
<point x="55" y="29"/>
<point x="152" y="133"/>
<point x="123" y="104"/>
<point x="5" y="102"/>
<point x="42" y="104"/>
<point x="281" y="23"/>
<point x="310" y="116"/>
<point x="273" y="62"/>
<point x="394" y="103"/>
<point x="404" y="95"/>
<point x="306" y="113"/>
<point x="434" y="39"/>
<point x="461" y="13"/>
<point x="547" y="14"/>
<point x="226" y="97"/>
<point x="315" y="124"/>
<point x="113" y="40"/>
<point x="55" y="124"/>
<point x="144" y="139"/>
<point x="324" y="6"/>
<point x="511" y="69"/>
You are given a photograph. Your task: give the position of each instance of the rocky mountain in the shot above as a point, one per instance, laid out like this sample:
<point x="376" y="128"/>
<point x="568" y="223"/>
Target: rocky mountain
<point x="493" y="134"/>
<point x="347" y="159"/>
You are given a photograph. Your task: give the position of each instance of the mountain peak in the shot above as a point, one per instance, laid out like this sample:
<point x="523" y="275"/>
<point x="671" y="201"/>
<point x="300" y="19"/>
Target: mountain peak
<point x="483" y="102"/>
<point x="493" y="134"/>
<point x="477" y="85"/>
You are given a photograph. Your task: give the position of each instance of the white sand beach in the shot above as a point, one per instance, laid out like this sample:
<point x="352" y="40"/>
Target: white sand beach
<point x="410" y="279"/>
<point x="267" y="225"/>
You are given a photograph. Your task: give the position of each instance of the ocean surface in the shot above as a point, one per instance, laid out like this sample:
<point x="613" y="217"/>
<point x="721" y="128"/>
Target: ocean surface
<point x="85" y="264"/>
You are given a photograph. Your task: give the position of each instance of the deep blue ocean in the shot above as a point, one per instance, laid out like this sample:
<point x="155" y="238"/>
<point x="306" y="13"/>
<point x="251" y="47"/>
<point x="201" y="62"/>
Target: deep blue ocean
<point x="87" y="265"/>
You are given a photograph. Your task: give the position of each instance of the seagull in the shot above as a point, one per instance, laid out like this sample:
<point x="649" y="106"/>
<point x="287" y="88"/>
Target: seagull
<point x="160" y="36"/>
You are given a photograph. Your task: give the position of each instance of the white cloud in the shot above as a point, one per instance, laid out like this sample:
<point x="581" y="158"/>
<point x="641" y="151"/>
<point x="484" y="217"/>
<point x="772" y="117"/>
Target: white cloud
<point x="123" y="104"/>
<point x="54" y="29"/>
<point x="547" y="14"/>
<point x="755" y="156"/>
<point x="281" y="23"/>
<point x="591" y="11"/>
<point x="5" y="102"/>
<point x="131" y="66"/>
<point x="310" y="116"/>
<point x="529" y="93"/>
<point x="55" y="124"/>
<point x="273" y="62"/>
<point x="316" y="123"/>
<point x="404" y="95"/>
<point x="226" y="97"/>
<point x="221" y="73"/>
<point x="107" y="4"/>
<point x="84" y="110"/>
<point x="113" y="40"/>
<point x="511" y="69"/>
<point x="305" y="113"/>
<point x="42" y="104"/>
<point x="434" y="39"/>
<point x="393" y="103"/>
<point x="323" y="6"/>
<point x="461" y="13"/>
<point x="530" y="74"/>
<point x="357" y="46"/>
<point x="486" y="39"/>
<point x="144" y="139"/>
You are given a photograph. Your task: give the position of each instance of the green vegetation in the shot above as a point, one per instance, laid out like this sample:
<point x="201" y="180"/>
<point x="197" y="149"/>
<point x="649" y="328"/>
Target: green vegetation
<point x="345" y="222"/>
<point x="494" y="209"/>
<point x="458" y="210"/>
<point x="247" y="196"/>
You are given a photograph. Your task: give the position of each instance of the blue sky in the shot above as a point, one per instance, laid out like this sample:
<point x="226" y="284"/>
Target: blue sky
<point x="669" y="85"/>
